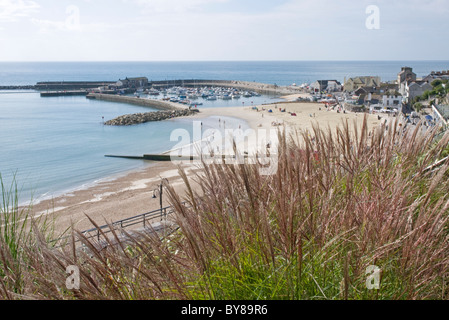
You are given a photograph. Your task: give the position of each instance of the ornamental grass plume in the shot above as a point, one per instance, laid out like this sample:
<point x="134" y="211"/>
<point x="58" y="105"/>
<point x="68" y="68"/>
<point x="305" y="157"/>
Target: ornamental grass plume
<point x="340" y="202"/>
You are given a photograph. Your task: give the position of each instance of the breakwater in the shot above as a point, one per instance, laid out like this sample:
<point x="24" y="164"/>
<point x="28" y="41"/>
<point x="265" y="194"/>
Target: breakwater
<point x="24" y="87"/>
<point x="262" y="88"/>
<point x="137" y="118"/>
<point x="157" y="104"/>
<point x="71" y="85"/>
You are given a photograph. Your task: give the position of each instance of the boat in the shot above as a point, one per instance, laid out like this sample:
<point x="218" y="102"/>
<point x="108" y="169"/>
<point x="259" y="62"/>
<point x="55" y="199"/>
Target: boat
<point x="247" y="95"/>
<point x="153" y="92"/>
<point x="211" y="98"/>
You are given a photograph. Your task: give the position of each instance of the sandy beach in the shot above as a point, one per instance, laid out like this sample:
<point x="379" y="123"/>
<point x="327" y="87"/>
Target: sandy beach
<point x="132" y="193"/>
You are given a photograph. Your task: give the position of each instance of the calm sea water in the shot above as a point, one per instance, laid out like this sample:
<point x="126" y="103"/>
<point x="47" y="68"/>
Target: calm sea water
<point x="281" y="73"/>
<point x="54" y="145"/>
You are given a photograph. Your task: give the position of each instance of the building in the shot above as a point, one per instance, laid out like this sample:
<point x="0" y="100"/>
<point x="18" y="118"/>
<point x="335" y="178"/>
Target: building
<point x="441" y="114"/>
<point x="326" y="86"/>
<point x="133" y="83"/>
<point x="440" y="75"/>
<point x="405" y="75"/>
<point x="384" y="88"/>
<point x="412" y="89"/>
<point x="394" y="101"/>
<point x="352" y="84"/>
<point x="386" y="103"/>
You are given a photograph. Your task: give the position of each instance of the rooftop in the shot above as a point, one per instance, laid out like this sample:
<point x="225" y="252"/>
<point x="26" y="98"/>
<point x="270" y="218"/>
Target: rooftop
<point x="443" y="110"/>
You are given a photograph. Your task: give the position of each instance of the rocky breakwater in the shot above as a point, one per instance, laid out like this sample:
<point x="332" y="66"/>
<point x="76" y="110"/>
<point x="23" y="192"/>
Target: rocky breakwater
<point x="138" y="118"/>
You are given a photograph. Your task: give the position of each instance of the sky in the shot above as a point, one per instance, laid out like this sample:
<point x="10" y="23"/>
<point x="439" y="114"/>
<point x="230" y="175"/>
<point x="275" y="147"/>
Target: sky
<point x="223" y="30"/>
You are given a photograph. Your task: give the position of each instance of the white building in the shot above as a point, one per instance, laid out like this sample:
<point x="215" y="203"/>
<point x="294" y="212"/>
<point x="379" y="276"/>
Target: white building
<point x="388" y="104"/>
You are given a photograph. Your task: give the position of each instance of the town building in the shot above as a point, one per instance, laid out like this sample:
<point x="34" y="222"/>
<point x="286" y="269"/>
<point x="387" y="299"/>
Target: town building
<point x="412" y="89"/>
<point x="353" y="84"/>
<point x="133" y="83"/>
<point x="326" y="86"/>
<point x="406" y="75"/>
<point x="439" y="75"/>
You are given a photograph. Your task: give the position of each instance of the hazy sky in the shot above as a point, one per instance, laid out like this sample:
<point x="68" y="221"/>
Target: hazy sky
<point x="153" y="30"/>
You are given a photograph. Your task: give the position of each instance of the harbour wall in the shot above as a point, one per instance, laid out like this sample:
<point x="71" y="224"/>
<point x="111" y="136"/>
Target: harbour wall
<point x="156" y="104"/>
<point x="71" y="85"/>
<point x="262" y="88"/>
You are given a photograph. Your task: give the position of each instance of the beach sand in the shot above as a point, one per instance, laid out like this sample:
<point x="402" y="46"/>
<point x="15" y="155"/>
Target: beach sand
<point x="131" y="194"/>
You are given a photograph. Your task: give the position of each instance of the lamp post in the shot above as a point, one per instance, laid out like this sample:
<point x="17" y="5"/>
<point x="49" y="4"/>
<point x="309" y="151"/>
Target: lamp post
<point x="159" y="191"/>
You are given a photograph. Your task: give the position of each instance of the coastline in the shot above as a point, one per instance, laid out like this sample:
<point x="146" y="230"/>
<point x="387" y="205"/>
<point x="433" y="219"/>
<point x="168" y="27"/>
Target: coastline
<point x="130" y="194"/>
<point x="115" y="197"/>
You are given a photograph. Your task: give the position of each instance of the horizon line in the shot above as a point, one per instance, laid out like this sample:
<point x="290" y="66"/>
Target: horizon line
<point x="168" y="61"/>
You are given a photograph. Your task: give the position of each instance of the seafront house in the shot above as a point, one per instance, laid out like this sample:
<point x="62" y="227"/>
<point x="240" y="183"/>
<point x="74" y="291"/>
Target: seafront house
<point x="387" y="103"/>
<point x="326" y="86"/>
<point x="352" y="84"/>
<point x="384" y="88"/>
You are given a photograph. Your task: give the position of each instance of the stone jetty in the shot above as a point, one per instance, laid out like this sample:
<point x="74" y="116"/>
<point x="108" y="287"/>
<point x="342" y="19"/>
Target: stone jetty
<point x="156" y="104"/>
<point x="137" y="118"/>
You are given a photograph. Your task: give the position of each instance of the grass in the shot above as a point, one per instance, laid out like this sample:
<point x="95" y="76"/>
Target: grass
<point x="339" y="203"/>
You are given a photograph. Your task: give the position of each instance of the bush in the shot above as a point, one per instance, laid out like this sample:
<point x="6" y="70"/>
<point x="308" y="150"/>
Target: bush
<point x="418" y="106"/>
<point x="436" y="83"/>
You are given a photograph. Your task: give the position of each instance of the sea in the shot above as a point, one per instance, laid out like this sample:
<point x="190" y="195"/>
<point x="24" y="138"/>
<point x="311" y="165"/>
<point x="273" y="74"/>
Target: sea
<point x="53" y="146"/>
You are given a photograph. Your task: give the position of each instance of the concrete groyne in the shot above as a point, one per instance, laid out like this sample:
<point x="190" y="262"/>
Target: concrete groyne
<point x="138" y="118"/>
<point x="156" y="104"/>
